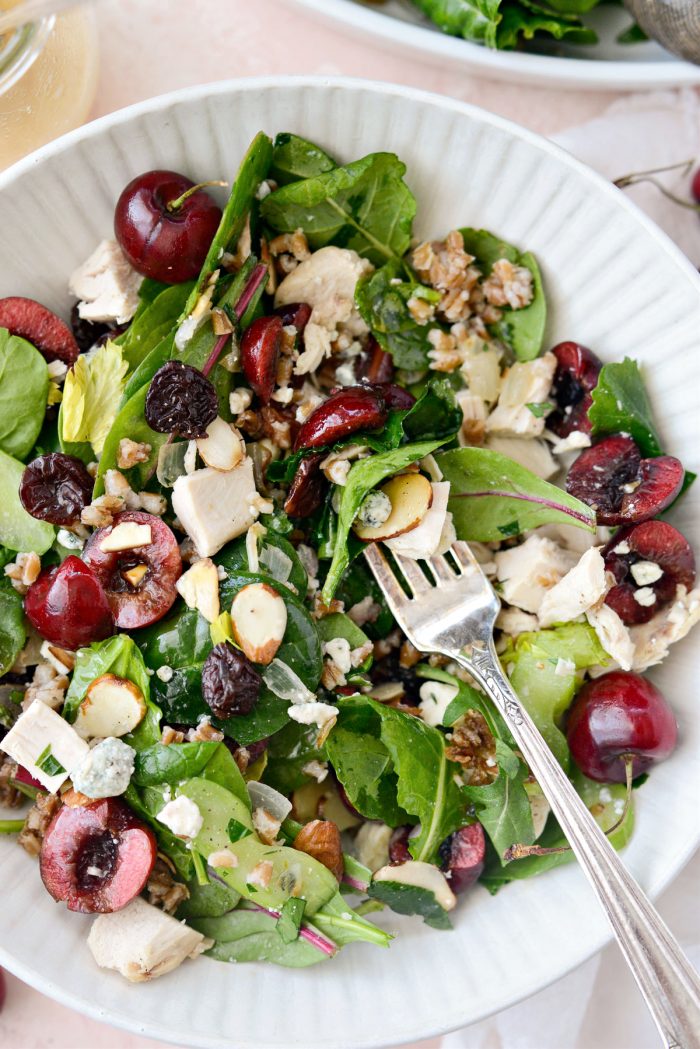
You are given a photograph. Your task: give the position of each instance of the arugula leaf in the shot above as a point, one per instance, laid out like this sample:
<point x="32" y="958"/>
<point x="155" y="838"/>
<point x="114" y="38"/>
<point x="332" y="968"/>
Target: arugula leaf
<point x="466" y="698"/>
<point x="492" y="496"/>
<point x="13" y="632"/>
<point x="253" y="169"/>
<point x="621" y="404"/>
<point x="472" y="19"/>
<point x="118" y="655"/>
<point x="295" y="158"/>
<point x="547" y="686"/>
<point x="364" y="205"/>
<point x="523" y="22"/>
<point x="606" y="812"/>
<point x="24" y="387"/>
<point x="391" y="763"/>
<point x="245" y="935"/>
<point x="153" y="321"/>
<point x="411" y="899"/>
<point x="18" y="529"/>
<point x="523" y="330"/>
<point x="381" y="299"/>
<point x="91" y="393"/>
<point x="364" y="475"/>
<point x="502" y="807"/>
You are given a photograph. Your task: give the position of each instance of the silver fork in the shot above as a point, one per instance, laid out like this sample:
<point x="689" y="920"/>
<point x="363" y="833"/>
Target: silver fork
<point x="454" y="615"/>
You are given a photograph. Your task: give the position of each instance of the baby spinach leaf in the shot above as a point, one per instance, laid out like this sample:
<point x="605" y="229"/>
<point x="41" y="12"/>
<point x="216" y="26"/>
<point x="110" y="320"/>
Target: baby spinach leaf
<point x="254" y="168"/>
<point x="171" y="763"/>
<point x="337" y="624"/>
<point x="365" y="206"/>
<point x="435" y="415"/>
<point x="147" y="803"/>
<point x="252" y="936"/>
<point x="207" y="901"/>
<point x="294" y="158"/>
<point x="130" y="422"/>
<point x="492" y="497"/>
<point x="153" y="321"/>
<point x="363" y="476"/>
<point x="344" y="925"/>
<point x="523" y="21"/>
<point x="381" y="299"/>
<point x="606" y="812"/>
<point x="523" y="330"/>
<point x="18" y="529"/>
<point x="621" y="404"/>
<point x="542" y="669"/>
<point x="181" y="642"/>
<point x="502" y="807"/>
<point x="13" y="633"/>
<point x="411" y="899"/>
<point x="234" y="558"/>
<point x="24" y="387"/>
<point x="472" y="19"/>
<point x="357" y="584"/>
<point x="118" y="655"/>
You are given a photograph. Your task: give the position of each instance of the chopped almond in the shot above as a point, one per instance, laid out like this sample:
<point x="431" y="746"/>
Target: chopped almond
<point x="223" y="447"/>
<point x="126" y="536"/>
<point x="199" y="587"/>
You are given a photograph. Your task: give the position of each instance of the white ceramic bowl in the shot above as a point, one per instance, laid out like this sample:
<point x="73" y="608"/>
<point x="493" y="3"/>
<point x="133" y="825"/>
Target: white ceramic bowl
<point x="399" y="25"/>
<point x="614" y="282"/>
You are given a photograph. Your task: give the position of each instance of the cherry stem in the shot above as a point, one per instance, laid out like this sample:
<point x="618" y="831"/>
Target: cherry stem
<point x="647" y="176"/>
<point x="521" y="852"/>
<point x="175" y="205"/>
<point x="256" y="278"/>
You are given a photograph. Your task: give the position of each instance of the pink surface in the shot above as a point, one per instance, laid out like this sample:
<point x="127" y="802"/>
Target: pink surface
<point x="148" y="47"/>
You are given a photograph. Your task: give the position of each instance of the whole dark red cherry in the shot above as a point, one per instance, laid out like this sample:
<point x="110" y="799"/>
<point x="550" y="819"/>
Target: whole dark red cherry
<point x="616" y="715"/>
<point x="96" y="858"/>
<point x="68" y="606"/>
<point x="164" y="234"/>
<point x="139" y="583"/>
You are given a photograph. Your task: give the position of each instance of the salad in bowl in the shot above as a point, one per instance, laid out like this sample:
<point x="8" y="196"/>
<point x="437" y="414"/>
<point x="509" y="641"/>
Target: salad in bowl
<point x="227" y="745"/>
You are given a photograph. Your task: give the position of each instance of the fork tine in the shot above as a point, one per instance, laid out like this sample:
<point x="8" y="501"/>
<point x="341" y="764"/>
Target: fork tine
<point x="413" y="575"/>
<point x="441" y="570"/>
<point x="383" y="574"/>
<point x="463" y="555"/>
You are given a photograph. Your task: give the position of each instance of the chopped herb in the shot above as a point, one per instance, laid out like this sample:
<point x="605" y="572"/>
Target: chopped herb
<point x="48" y="763"/>
<point x="540" y="409"/>
<point x="289" y="921"/>
<point x="511" y="528"/>
<point x="199" y="868"/>
<point x="237" y="830"/>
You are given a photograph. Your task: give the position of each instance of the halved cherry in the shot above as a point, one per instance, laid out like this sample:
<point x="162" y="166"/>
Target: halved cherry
<point x="260" y="353"/>
<point x="68" y="606"/>
<point x="463" y="855"/>
<point x="48" y="333"/>
<point x="346" y="412"/>
<point x="139" y="583"/>
<point x="398" y="846"/>
<point x="622" y="488"/>
<point x="396" y="397"/>
<point x="96" y="858"/>
<point x="575" y="377"/>
<point x="649" y="559"/>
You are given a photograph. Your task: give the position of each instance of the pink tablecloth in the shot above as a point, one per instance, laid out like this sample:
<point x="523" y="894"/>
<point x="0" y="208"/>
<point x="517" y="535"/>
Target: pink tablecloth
<point x="149" y="47"/>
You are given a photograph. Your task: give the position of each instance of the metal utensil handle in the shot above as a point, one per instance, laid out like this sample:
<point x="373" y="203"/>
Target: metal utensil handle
<point x="668" y="982"/>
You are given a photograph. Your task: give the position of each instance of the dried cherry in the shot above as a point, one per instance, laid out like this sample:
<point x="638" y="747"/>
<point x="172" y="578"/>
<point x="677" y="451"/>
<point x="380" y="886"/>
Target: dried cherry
<point x="55" y="488"/>
<point x="230" y="683"/>
<point x="306" y="490"/>
<point x="181" y="400"/>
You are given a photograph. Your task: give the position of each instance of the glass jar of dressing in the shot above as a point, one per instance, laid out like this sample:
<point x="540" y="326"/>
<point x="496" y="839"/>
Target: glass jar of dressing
<point x="48" y="78"/>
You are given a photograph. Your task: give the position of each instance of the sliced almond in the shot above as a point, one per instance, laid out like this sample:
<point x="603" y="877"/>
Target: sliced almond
<point x="411" y="496"/>
<point x="113" y="706"/>
<point x="126" y="536"/>
<point x="331" y="807"/>
<point x="259" y="620"/>
<point x="223" y="447"/>
<point x="199" y="587"/>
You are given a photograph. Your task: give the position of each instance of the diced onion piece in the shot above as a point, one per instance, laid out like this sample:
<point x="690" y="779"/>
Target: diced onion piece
<point x="285" y="684"/>
<point x="265" y="797"/>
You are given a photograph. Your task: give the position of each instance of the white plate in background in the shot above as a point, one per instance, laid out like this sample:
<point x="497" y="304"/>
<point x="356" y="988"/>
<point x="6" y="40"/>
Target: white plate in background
<point x="615" y="282"/>
<point x="399" y="25"/>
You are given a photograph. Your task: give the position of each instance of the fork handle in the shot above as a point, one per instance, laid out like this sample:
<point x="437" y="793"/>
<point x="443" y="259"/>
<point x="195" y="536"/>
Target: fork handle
<point x="668" y="982"/>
